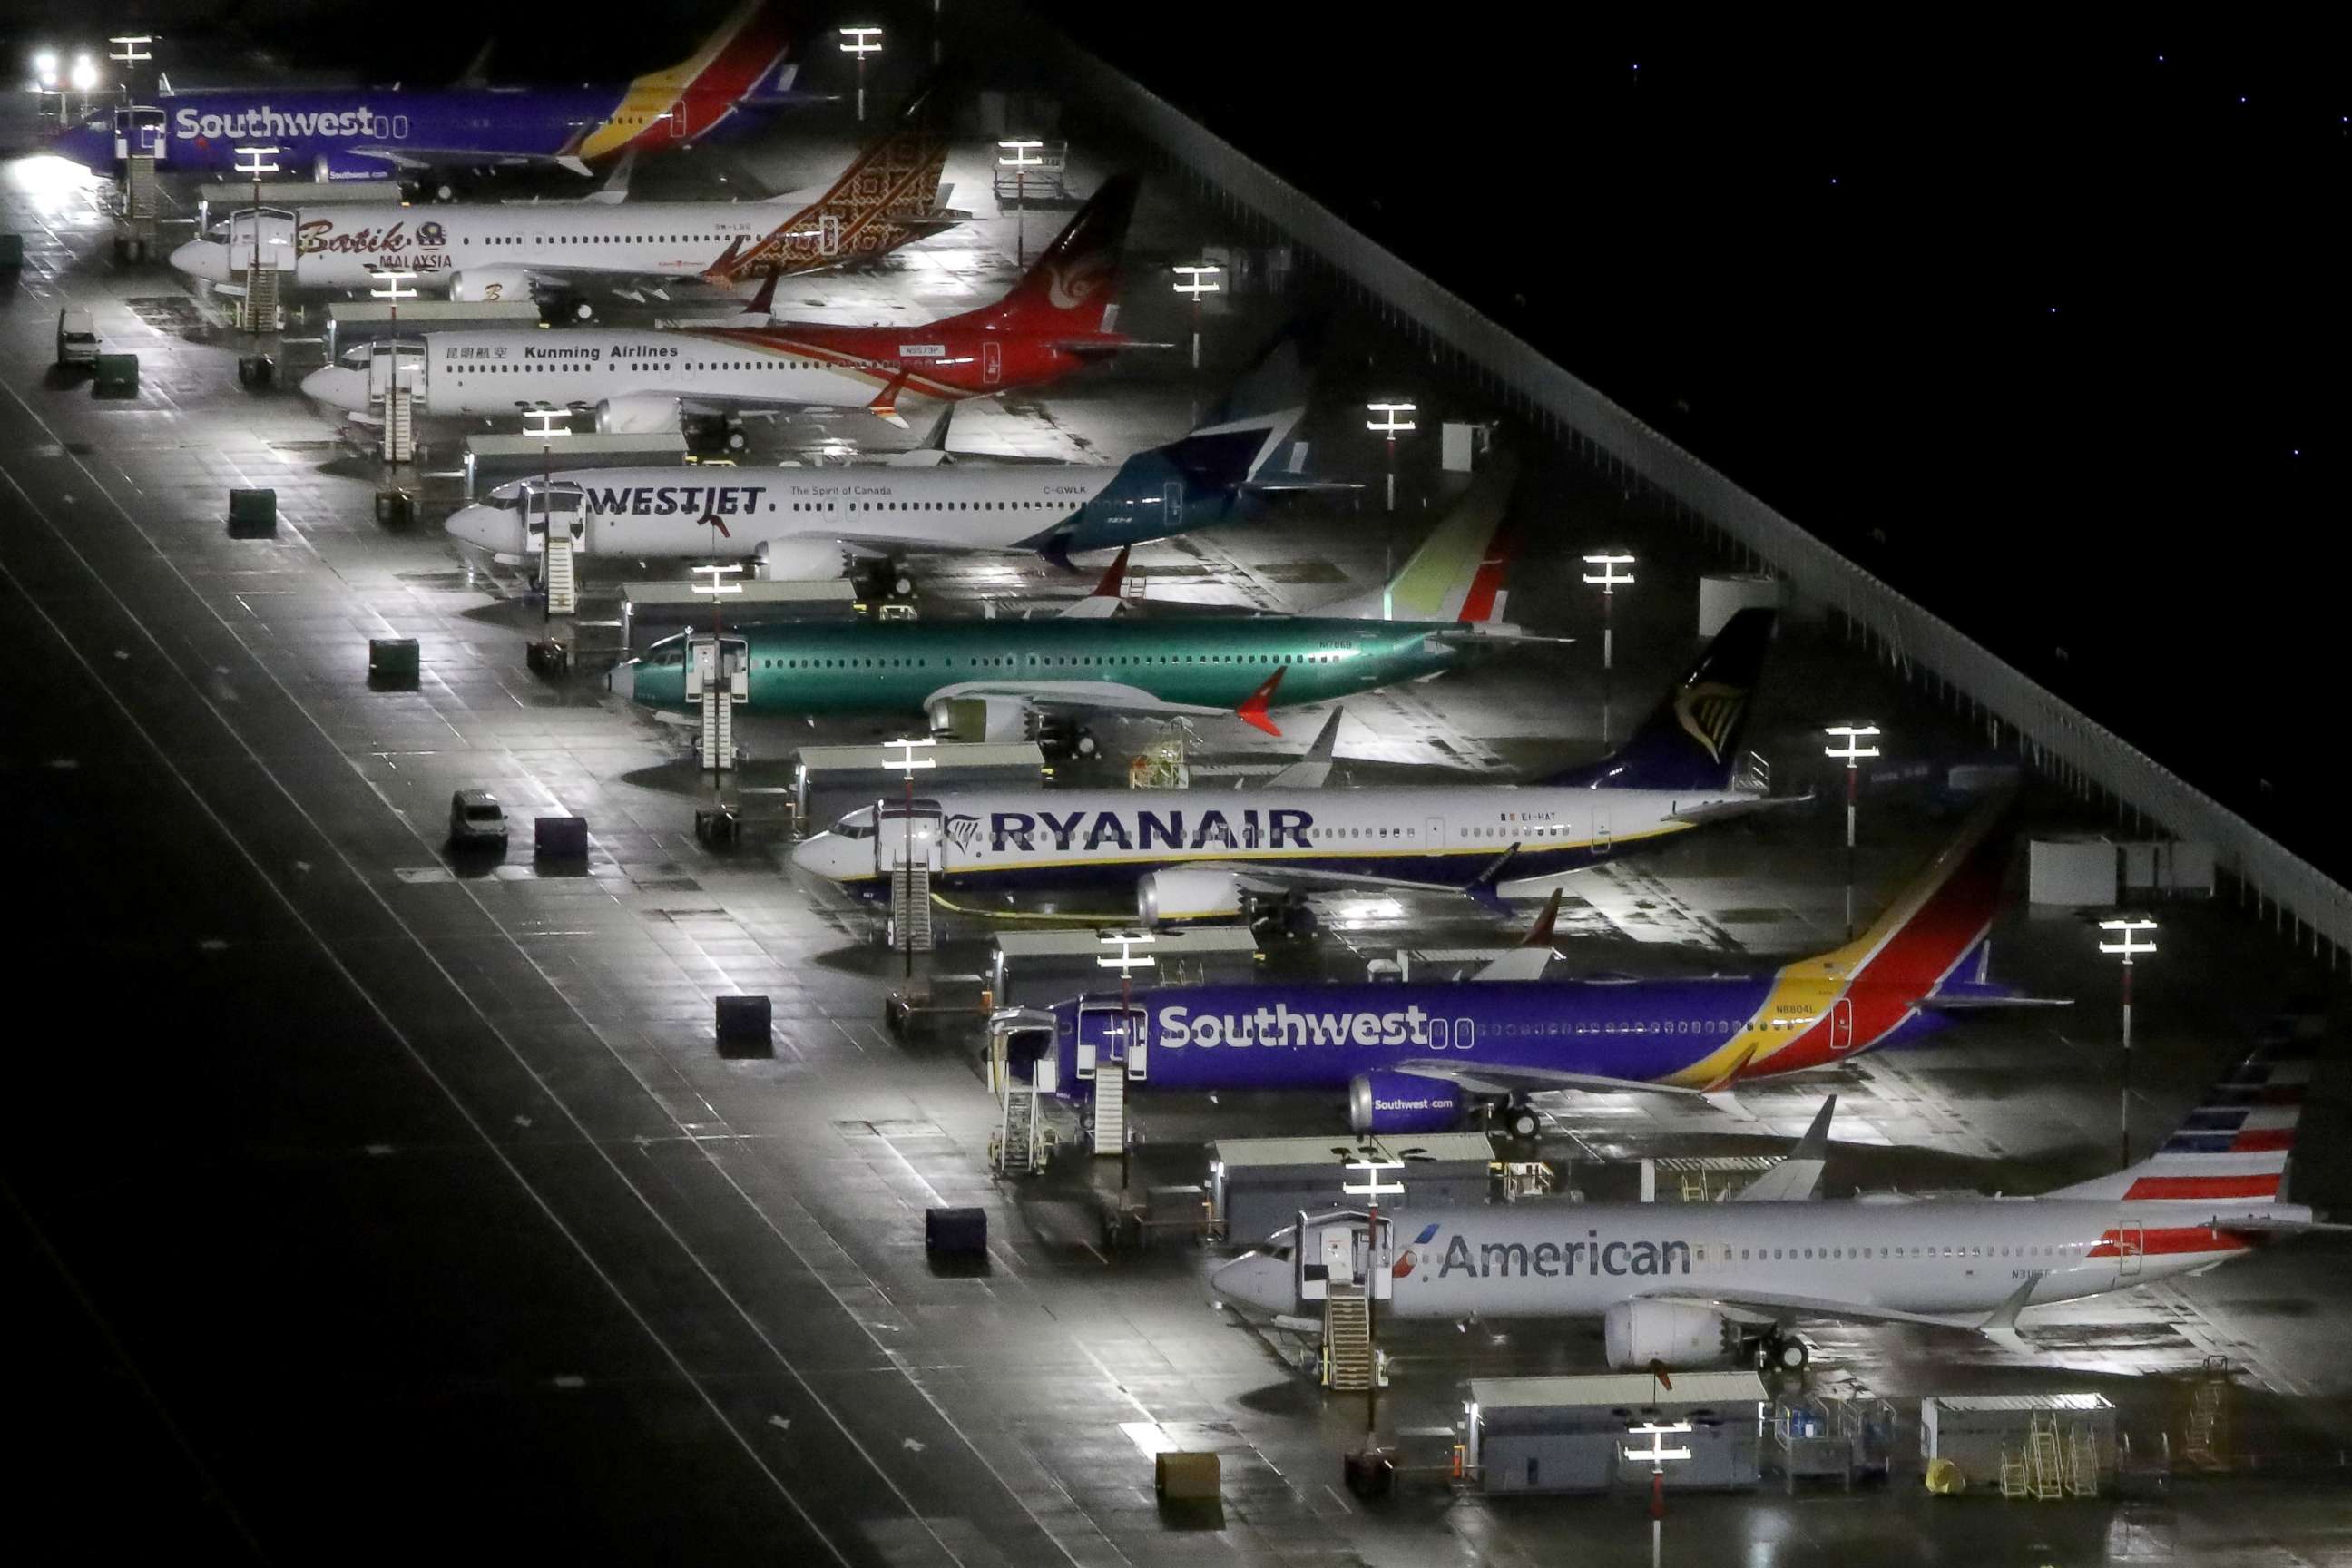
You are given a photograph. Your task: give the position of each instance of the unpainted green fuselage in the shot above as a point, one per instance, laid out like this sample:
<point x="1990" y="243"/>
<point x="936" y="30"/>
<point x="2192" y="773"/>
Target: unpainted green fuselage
<point x="865" y="667"/>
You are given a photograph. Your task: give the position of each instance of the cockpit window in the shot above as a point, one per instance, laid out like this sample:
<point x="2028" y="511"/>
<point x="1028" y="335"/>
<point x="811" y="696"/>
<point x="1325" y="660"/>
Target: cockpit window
<point x="857" y="824"/>
<point x="671" y="652"/>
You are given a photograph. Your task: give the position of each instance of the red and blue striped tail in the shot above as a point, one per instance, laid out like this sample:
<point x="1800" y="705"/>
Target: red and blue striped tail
<point x="2233" y="1148"/>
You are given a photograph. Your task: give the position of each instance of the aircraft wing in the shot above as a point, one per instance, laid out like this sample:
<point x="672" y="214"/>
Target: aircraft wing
<point x="1773" y="1307"/>
<point x="447" y="157"/>
<point x="1488" y="1078"/>
<point x="1079" y="696"/>
<point x="1989" y="1003"/>
<point x="1725" y="810"/>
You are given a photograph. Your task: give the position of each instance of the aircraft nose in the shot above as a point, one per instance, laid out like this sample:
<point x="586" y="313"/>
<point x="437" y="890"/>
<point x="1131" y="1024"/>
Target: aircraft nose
<point x="624" y="679"/>
<point x="1254" y="1282"/>
<point x="494" y="529"/>
<point x="819" y="856"/>
<point x="338" y="388"/>
<point x="202" y="259"/>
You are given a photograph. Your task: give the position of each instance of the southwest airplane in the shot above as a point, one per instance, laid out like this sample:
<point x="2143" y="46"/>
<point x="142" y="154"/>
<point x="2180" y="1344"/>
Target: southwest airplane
<point x="1022" y="678"/>
<point x="516" y="250"/>
<point x="1686" y="1285"/>
<point x="823" y="523"/>
<point x="372" y="133"/>
<point x="1189" y="856"/>
<point x="644" y="381"/>
<point x="1409" y="1056"/>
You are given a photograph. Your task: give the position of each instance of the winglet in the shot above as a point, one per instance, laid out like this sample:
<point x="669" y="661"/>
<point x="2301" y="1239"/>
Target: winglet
<point x="1815" y="1143"/>
<point x="1253" y="711"/>
<point x="885" y="402"/>
<point x="1105" y="601"/>
<point x="763" y="303"/>
<point x="1529" y="959"/>
<point x="723" y="269"/>
<point x="1999" y="1325"/>
<point x="1738" y="1065"/>
<point x="1313" y="770"/>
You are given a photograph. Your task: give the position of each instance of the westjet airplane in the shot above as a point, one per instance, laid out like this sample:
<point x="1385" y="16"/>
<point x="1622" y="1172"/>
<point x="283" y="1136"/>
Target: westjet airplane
<point x="800" y="522"/>
<point x="521" y="250"/>
<point x="1187" y="855"/>
<point x="1689" y="1285"/>
<point x="381" y="133"/>
<point x="644" y="381"/>
<point x="1416" y="1056"/>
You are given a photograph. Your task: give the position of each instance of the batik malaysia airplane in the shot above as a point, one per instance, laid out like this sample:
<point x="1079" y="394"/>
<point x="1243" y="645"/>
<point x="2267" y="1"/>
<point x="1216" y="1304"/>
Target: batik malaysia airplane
<point x="1185" y="855"/>
<point x="519" y="250"/>
<point x="1688" y="1285"/>
<point x="806" y="523"/>
<point x="1416" y="1057"/>
<point x="343" y="134"/>
<point x="645" y="381"/>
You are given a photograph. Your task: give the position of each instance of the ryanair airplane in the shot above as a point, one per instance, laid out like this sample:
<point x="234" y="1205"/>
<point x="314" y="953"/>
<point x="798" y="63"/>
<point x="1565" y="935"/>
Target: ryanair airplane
<point x="1189" y="855"/>
<point x="1692" y="1284"/>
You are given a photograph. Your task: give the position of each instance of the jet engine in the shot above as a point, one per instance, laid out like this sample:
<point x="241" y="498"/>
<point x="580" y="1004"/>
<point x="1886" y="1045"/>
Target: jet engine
<point x="489" y="285"/>
<point x="1167" y="896"/>
<point x="800" y="560"/>
<point x="1639" y="1332"/>
<point x="348" y="168"/>
<point x="637" y="416"/>
<point x="982" y="719"/>
<point x="1404" y="1102"/>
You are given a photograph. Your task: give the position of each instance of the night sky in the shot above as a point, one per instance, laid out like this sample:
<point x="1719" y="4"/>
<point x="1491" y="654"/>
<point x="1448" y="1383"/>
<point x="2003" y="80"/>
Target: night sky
<point x="2047" y="329"/>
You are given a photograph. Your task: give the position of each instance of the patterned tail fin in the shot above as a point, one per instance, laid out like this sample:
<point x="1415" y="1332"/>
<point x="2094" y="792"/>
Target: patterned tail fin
<point x="2233" y="1150"/>
<point x="887" y="196"/>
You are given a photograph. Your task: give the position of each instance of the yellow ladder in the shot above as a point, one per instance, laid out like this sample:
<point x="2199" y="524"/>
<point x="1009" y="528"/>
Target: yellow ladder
<point x="1347" y="1339"/>
<point x="2045" y="1470"/>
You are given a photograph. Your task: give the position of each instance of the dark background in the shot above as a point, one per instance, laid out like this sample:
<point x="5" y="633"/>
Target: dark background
<point x="2044" y="322"/>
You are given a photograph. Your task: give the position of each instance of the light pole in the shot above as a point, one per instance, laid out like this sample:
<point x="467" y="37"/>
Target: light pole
<point x="860" y="42"/>
<point x="1198" y="281"/>
<point x="129" y="50"/>
<point x="392" y="278"/>
<point x="1126" y="963"/>
<point x="1372" y="1189"/>
<point x="543" y="422"/>
<point x="256" y="161"/>
<point x="1609" y="580"/>
<point x="1851" y="752"/>
<point x="1394" y="419"/>
<point x="1014" y="153"/>
<point x="907" y="765"/>
<point x="2128" y="943"/>
<point x="1657" y="1453"/>
<point x="83" y="79"/>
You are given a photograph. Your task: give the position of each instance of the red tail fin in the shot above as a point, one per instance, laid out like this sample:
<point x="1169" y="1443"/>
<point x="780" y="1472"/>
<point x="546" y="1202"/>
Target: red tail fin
<point x="749" y="46"/>
<point x="1076" y="279"/>
<point x="1253" y="711"/>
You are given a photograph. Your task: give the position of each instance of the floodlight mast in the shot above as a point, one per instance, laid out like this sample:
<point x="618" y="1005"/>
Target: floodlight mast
<point x="1608" y="580"/>
<point x="2128" y="945"/>
<point x="858" y="43"/>
<point x="1014" y="153"/>
<point x="1850" y="750"/>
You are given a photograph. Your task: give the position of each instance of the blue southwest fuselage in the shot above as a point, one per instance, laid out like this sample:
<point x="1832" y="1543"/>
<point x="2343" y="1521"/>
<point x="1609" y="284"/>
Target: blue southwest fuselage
<point x="1926" y="953"/>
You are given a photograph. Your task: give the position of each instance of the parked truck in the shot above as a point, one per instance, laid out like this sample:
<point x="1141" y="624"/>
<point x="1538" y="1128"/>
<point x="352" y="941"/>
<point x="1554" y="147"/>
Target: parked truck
<point x="77" y="338"/>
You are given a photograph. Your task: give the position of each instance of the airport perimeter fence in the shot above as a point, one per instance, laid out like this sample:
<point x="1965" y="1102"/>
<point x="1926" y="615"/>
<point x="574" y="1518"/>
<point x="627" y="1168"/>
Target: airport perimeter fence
<point x="2050" y="733"/>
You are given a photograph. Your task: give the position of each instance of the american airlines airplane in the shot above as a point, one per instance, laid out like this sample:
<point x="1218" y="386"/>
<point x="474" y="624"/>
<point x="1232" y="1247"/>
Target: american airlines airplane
<point x="1187" y="855"/>
<point x="341" y="135"/>
<point x="800" y="522"/>
<point x="644" y="381"/>
<point x="1417" y="1056"/>
<point x="1689" y="1285"/>
<point x="519" y="250"/>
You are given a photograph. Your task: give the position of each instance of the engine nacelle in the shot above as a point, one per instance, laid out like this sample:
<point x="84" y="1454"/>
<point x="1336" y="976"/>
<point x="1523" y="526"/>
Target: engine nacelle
<point x="1169" y="896"/>
<point x="800" y="560"/>
<point x="983" y="719"/>
<point x="350" y="169"/>
<point x="489" y="285"/>
<point x="1639" y="1332"/>
<point x="1404" y="1102"/>
<point x="638" y="416"/>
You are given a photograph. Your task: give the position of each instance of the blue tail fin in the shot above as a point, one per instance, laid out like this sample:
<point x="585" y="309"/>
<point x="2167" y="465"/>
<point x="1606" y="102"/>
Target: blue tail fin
<point x="1691" y="741"/>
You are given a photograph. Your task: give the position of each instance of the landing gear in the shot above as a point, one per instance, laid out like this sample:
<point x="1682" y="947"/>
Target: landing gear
<point x="1522" y="1120"/>
<point x="1061" y="739"/>
<point x="1783" y="1354"/>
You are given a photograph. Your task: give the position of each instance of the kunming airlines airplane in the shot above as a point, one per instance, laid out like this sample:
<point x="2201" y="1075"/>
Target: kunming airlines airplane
<point x="517" y="250"/>
<point x="1687" y="1285"/>
<point x="1008" y="679"/>
<point x="1189" y="856"/>
<point x="1057" y="317"/>
<point x="821" y="522"/>
<point x="1413" y="1056"/>
<point x="374" y="133"/>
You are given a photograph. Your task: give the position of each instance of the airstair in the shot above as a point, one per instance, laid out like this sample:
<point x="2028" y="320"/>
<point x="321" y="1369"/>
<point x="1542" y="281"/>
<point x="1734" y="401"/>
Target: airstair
<point x="259" y="310"/>
<point x="1348" y="1358"/>
<point x="1022" y="1072"/>
<point x="1019" y="1147"/>
<point x="2206" y="1443"/>
<point x="911" y="907"/>
<point x="1110" y="1109"/>
<point x="2081" y="1462"/>
<point x="561" y="579"/>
